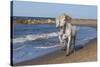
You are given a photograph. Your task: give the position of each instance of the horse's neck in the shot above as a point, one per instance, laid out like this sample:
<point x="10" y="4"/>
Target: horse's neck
<point x="67" y="26"/>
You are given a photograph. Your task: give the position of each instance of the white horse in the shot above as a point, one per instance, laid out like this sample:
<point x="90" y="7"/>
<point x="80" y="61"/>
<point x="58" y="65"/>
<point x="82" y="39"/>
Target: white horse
<point x="66" y="32"/>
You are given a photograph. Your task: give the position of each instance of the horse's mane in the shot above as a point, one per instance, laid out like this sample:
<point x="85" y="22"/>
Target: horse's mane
<point x="67" y="17"/>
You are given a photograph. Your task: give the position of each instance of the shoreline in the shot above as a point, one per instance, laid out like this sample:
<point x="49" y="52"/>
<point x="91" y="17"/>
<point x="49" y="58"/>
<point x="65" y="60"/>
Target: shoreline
<point x="87" y="53"/>
<point x="83" y="54"/>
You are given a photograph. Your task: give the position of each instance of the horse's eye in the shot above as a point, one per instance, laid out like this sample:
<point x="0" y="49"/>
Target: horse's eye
<point x="61" y="27"/>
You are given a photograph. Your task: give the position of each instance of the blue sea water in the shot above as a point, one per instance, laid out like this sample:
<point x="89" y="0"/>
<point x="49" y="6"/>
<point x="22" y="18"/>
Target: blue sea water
<point x="32" y="41"/>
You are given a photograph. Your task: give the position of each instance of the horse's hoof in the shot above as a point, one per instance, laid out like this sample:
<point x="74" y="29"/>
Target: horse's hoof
<point x="67" y="54"/>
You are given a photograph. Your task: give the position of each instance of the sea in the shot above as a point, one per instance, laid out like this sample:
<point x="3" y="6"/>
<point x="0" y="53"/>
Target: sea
<point x="31" y="41"/>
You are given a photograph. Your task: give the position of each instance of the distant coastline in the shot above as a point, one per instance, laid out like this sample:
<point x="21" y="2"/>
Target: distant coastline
<point x="49" y="20"/>
<point x="33" y="20"/>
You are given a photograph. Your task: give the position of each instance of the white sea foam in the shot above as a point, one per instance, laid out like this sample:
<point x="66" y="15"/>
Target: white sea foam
<point x="79" y="42"/>
<point x="34" y="37"/>
<point x="46" y="47"/>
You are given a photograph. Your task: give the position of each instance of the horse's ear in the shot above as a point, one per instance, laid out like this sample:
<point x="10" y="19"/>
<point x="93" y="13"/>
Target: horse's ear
<point x="68" y="18"/>
<point x="57" y="21"/>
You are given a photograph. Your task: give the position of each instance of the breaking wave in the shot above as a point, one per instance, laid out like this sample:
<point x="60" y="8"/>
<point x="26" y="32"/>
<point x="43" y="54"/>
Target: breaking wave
<point x="34" y="37"/>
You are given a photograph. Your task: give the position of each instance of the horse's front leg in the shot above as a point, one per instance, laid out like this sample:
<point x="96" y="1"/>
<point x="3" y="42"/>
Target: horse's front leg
<point x="68" y="45"/>
<point x="61" y="41"/>
<point x="72" y="44"/>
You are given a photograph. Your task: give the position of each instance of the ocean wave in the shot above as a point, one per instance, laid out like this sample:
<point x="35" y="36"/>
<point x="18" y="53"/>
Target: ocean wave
<point x="34" y="37"/>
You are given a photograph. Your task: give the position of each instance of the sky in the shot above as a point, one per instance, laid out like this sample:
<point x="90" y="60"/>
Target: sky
<point x="37" y="9"/>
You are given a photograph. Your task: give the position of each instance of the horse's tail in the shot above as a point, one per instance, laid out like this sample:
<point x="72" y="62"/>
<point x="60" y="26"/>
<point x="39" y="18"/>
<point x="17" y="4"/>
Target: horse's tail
<point x="75" y="35"/>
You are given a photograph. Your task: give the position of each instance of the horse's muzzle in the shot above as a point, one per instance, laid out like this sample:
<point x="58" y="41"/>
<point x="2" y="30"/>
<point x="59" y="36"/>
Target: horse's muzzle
<point x="61" y="27"/>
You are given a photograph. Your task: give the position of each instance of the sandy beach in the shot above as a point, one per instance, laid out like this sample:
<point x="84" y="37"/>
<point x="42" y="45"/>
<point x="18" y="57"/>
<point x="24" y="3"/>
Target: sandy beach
<point x="83" y="54"/>
<point x="87" y="53"/>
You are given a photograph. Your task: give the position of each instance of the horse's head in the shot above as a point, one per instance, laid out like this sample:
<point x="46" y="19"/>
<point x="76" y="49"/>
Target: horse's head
<point x="57" y="21"/>
<point x="62" y="20"/>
